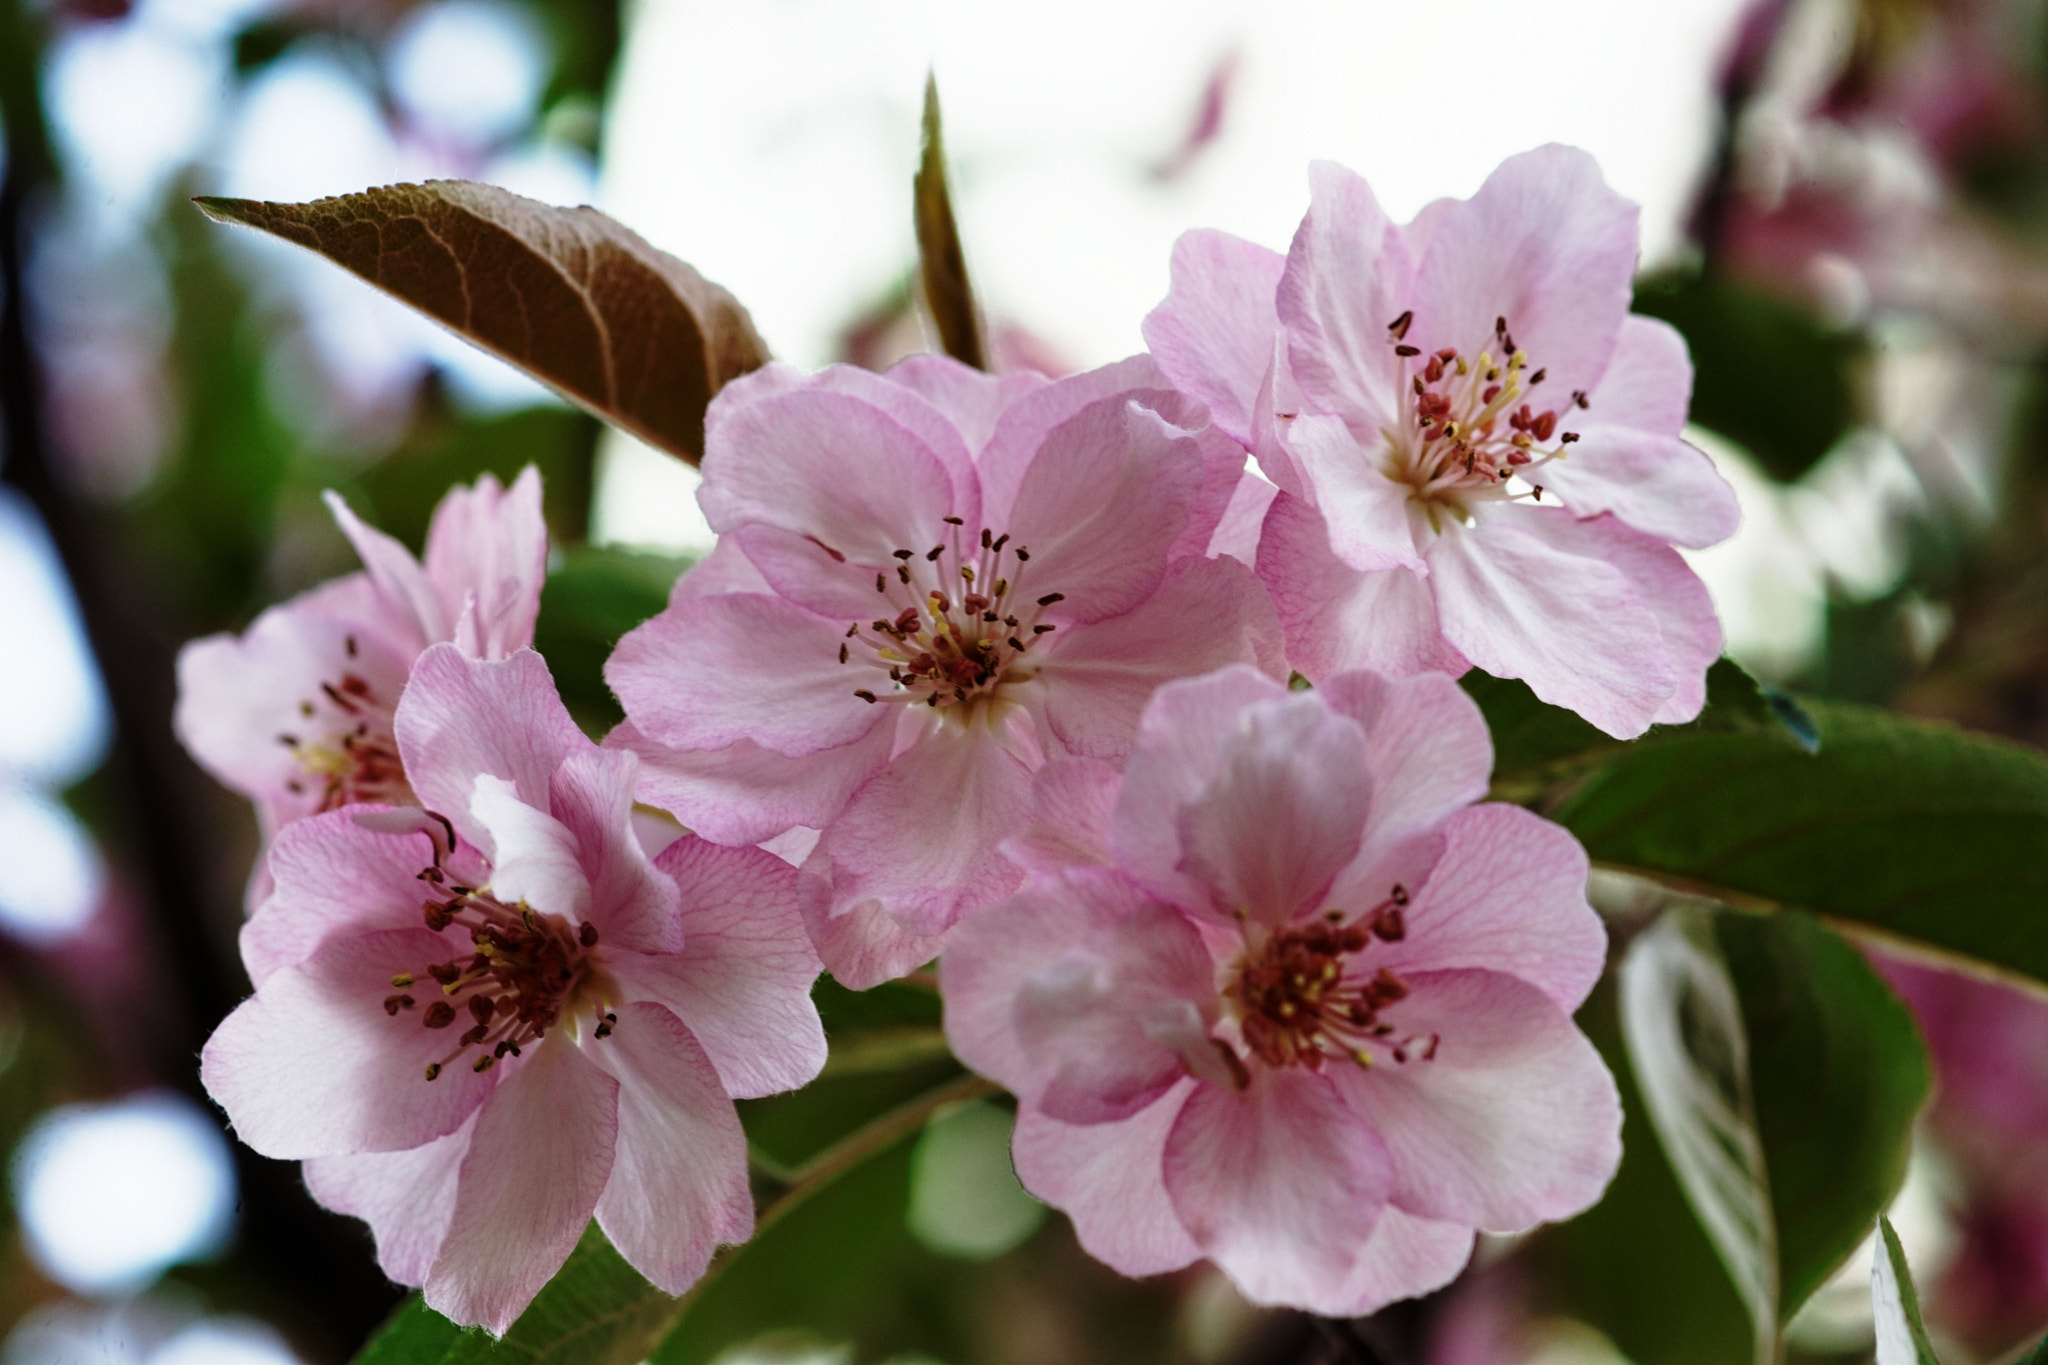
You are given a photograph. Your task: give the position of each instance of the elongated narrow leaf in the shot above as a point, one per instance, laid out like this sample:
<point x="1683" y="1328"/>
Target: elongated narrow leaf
<point x="1895" y="1305"/>
<point x="941" y="265"/>
<point x="1908" y="827"/>
<point x="1690" y="1053"/>
<point x="576" y="300"/>
<point x="1783" y="1079"/>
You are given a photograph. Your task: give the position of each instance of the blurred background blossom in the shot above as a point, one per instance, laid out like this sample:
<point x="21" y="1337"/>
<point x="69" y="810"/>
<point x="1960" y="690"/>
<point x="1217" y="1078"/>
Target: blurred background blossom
<point x="1846" y="211"/>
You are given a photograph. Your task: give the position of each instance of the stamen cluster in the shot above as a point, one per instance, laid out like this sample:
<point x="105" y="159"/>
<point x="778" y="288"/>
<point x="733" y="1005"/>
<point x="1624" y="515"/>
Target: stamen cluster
<point x="1464" y="432"/>
<point x="523" y="968"/>
<point x="961" y="625"/>
<point x="358" y="762"/>
<point x="1301" y="1001"/>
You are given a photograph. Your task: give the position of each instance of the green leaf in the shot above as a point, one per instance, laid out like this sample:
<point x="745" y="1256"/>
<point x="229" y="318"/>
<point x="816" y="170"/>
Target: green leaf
<point x="1638" y="1265"/>
<point x="1766" y="374"/>
<point x="573" y="298"/>
<point x="1783" y="1079"/>
<point x="1907" y="827"/>
<point x="594" y="596"/>
<point x="942" y="267"/>
<point x="1536" y="745"/>
<point x="1895" y="1305"/>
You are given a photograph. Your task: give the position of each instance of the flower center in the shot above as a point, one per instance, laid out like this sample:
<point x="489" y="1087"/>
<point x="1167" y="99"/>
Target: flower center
<point x="1466" y="429"/>
<point x="1304" y="996"/>
<point x="522" y="972"/>
<point x="354" y="759"/>
<point x="960" y="625"/>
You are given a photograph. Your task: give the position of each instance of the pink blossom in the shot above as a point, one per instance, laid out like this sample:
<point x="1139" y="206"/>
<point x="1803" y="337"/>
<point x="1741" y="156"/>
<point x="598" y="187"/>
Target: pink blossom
<point x="1477" y="445"/>
<point x="927" y="584"/>
<point x="483" y="1022"/>
<point x="1305" y="1010"/>
<point x="296" y="713"/>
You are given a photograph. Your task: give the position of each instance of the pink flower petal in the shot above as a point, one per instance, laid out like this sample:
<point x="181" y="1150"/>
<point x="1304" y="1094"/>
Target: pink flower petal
<point x="460" y="717"/>
<point x="713" y="671"/>
<point x="1206" y="614"/>
<point x="1023" y="426"/>
<point x="1071" y="803"/>
<point x="863" y="945"/>
<point x="839" y="468"/>
<point x="406" y="1197"/>
<point x="1181" y="739"/>
<point x="1513" y="1121"/>
<point x="971" y="399"/>
<point x="1279" y="1184"/>
<point x="538" y="1161"/>
<point x="632" y="904"/>
<point x="799" y="569"/>
<point x="311" y="1065"/>
<point x="1108" y="1179"/>
<point x="1508" y="895"/>
<point x="1629" y="459"/>
<point x="1335" y="618"/>
<point x="535" y="859"/>
<point x="922" y="836"/>
<point x="1545" y="245"/>
<point x="1405" y="1258"/>
<point x="1685" y="614"/>
<point x="1281" y="817"/>
<point x="401" y="581"/>
<point x="726" y="569"/>
<point x="1529" y="594"/>
<point x="743" y="793"/>
<point x="239" y="698"/>
<point x="1213" y="335"/>
<point x="1347" y="279"/>
<point x="1105" y="499"/>
<point x="678" y="1184"/>
<point x="330" y="875"/>
<point x="742" y="984"/>
<point x="1430" y="755"/>
<point x="1369" y="517"/>
<point x="1237" y="534"/>
<point x="1073" y="993"/>
<point x="491" y="542"/>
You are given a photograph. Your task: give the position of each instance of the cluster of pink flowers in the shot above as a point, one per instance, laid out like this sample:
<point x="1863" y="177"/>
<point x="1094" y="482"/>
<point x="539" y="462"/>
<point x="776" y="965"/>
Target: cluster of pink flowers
<point x="994" y="670"/>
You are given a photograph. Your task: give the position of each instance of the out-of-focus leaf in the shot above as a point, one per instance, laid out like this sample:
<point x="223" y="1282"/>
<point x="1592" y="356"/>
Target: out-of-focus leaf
<point x="1838" y="1073"/>
<point x="592" y="598"/>
<point x="1766" y="374"/>
<point x="1536" y="745"/>
<point x="1783" y="1080"/>
<point x="965" y="1200"/>
<point x="1903" y="826"/>
<point x="401" y="490"/>
<point x="1690" y="1053"/>
<point x="573" y="298"/>
<point x="942" y="266"/>
<point x="1895" y="1305"/>
<point x="2037" y="1356"/>
<point x="1637" y="1265"/>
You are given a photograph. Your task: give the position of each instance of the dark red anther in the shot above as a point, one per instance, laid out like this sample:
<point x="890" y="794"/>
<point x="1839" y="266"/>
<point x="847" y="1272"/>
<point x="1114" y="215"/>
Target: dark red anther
<point x="1390" y="925"/>
<point x="1568" y="438"/>
<point x="1434" y="370"/>
<point x="1405" y="351"/>
<point x="481" y="1008"/>
<point x="1544" y="424"/>
<point x="586" y="934"/>
<point x="1492" y="392"/>
<point x="440" y="1014"/>
<point x="1579" y="399"/>
<point x="1399" y="326"/>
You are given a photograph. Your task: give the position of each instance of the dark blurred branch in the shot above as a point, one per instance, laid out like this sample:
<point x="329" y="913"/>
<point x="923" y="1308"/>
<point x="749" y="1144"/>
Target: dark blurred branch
<point x="318" y="1259"/>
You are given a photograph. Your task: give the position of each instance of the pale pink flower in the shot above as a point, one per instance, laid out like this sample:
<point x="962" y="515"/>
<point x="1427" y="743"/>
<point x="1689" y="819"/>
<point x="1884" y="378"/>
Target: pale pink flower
<point x="295" y="714"/>
<point x="484" y="1022"/>
<point x="1477" y="444"/>
<point x="1304" y="1010"/>
<point x="927" y="583"/>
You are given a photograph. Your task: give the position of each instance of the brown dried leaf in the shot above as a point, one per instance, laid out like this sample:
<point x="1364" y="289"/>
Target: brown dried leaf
<point x="941" y="265"/>
<point x="576" y="300"/>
